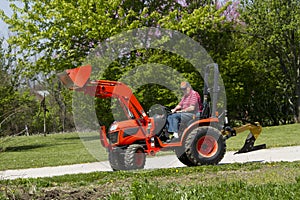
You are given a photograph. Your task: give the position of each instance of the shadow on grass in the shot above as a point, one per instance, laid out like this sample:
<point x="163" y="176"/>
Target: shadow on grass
<point x="85" y="138"/>
<point x="89" y="138"/>
<point x="70" y="138"/>
<point x="24" y="147"/>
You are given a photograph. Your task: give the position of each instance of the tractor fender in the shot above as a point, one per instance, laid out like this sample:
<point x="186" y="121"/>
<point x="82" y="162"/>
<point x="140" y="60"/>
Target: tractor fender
<point x="196" y="124"/>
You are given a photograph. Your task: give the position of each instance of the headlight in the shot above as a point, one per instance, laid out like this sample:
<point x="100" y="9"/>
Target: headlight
<point x="113" y="127"/>
<point x="113" y="137"/>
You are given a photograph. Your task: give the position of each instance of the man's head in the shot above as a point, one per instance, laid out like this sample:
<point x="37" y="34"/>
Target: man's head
<point x="185" y="87"/>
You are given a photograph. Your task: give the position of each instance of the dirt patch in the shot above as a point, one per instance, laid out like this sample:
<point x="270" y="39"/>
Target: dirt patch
<point x="58" y="193"/>
<point x="92" y="192"/>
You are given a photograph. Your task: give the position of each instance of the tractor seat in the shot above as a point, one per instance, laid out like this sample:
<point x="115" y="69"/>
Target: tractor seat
<point x="159" y="123"/>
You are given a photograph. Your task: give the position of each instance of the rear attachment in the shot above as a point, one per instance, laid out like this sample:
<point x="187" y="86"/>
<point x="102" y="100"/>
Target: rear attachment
<point x="255" y="130"/>
<point x="249" y="145"/>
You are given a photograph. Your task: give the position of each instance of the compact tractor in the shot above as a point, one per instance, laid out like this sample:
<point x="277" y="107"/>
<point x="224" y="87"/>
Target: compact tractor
<point x="202" y="141"/>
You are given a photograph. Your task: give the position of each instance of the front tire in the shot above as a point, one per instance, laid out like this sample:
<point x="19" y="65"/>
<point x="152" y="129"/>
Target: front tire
<point x="116" y="160"/>
<point x="205" y="146"/>
<point x="135" y="157"/>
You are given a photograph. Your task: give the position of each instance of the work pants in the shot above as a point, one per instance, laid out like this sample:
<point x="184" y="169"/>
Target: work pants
<point x="176" y="118"/>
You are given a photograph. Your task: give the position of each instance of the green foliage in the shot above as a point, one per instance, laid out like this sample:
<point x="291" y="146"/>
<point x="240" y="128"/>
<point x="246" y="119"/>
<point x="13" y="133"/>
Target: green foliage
<point x="17" y="105"/>
<point x="254" y="91"/>
<point x="271" y="32"/>
<point x="262" y="44"/>
<point x="63" y="33"/>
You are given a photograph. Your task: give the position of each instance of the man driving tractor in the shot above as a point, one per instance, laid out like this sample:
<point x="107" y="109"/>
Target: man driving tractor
<point x="201" y="141"/>
<point x="189" y="106"/>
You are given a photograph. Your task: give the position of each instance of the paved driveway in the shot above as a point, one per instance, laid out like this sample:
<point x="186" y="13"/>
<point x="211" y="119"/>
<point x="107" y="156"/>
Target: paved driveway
<point x="289" y="154"/>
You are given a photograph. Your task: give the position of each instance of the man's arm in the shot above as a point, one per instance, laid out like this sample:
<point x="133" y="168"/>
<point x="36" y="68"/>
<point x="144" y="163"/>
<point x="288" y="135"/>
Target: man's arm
<point x="177" y="108"/>
<point x="188" y="109"/>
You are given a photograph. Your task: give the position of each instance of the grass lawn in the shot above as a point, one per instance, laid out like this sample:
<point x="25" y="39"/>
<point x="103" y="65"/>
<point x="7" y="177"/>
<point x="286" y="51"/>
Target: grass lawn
<point x="52" y="150"/>
<point x="231" y="181"/>
<point x="280" y="180"/>
<point x="69" y="148"/>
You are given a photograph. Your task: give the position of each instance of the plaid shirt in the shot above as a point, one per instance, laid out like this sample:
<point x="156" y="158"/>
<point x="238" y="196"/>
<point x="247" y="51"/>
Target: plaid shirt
<point x="192" y="99"/>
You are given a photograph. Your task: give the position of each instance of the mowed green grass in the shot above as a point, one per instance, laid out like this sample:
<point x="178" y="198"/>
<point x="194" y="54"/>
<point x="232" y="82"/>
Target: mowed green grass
<point x="73" y="148"/>
<point x="50" y="150"/>
<point x="279" y="180"/>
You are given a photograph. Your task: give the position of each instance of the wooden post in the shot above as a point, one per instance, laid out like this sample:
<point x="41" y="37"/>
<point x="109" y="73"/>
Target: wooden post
<point x="26" y="130"/>
<point x="45" y="122"/>
<point x="45" y="110"/>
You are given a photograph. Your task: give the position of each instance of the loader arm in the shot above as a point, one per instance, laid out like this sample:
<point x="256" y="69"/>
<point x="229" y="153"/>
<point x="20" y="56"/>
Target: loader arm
<point x="78" y="79"/>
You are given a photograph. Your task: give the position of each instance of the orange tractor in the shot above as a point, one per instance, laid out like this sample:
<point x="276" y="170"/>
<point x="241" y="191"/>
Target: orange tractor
<point x="128" y="142"/>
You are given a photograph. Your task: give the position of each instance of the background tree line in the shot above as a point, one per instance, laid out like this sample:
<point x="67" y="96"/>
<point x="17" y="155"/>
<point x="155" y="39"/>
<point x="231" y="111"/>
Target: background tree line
<point x="255" y="43"/>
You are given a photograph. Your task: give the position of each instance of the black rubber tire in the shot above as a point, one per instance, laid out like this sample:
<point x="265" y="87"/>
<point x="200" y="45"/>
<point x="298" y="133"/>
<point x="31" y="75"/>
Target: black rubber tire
<point x="182" y="157"/>
<point x="205" y="146"/>
<point x="116" y="160"/>
<point x="135" y="157"/>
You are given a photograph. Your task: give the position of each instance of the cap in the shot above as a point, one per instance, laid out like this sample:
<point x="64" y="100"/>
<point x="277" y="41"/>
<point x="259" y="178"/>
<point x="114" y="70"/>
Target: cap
<point x="184" y="85"/>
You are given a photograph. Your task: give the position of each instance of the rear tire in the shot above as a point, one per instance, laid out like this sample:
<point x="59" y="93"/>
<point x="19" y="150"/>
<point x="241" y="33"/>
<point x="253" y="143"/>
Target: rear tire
<point x="135" y="157"/>
<point x="182" y="157"/>
<point x="205" y="146"/>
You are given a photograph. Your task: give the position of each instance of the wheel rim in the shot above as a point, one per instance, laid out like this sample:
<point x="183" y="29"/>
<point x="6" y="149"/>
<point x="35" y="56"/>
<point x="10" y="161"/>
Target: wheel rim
<point x="207" y="146"/>
<point x="139" y="157"/>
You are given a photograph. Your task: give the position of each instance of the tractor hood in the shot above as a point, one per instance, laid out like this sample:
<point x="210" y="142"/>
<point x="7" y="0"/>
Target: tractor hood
<point x="75" y="78"/>
<point x="122" y="125"/>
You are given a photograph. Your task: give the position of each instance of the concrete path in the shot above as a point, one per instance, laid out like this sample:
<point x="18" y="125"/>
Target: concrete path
<point x="289" y="154"/>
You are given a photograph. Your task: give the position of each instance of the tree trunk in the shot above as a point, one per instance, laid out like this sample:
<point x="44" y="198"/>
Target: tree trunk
<point x="297" y="106"/>
<point x="61" y="104"/>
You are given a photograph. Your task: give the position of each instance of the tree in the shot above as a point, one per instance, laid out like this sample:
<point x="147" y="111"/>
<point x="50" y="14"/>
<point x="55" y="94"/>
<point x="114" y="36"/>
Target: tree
<point x="60" y="34"/>
<point x="275" y="25"/>
<point x="56" y="35"/>
<point x="17" y="105"/>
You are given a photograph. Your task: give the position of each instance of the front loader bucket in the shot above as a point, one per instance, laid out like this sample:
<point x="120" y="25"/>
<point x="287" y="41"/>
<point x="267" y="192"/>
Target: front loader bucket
<point x="75" y="78"/>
